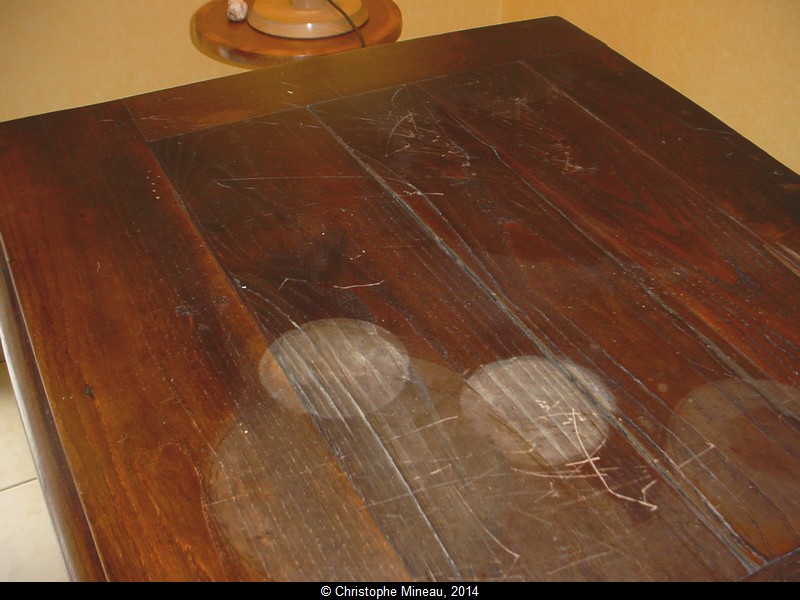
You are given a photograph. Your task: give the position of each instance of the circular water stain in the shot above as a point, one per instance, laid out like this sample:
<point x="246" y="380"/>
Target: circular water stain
<point x="536" y="410"/>
<point x="335" y="368"/>
<point x="276" y="495"/>
<point x="755" y="423"/>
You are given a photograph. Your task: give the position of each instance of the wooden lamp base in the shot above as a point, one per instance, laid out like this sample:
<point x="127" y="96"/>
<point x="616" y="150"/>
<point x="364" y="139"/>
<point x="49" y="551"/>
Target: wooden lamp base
<point x="241" y="44"/>
<point x="306" y="19"/>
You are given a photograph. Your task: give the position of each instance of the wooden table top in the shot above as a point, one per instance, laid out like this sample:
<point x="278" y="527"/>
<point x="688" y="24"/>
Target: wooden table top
<point x="491" y="305"/>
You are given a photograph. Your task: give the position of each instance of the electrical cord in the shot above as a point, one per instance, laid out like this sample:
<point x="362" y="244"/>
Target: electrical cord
<point x="352" y="24"/>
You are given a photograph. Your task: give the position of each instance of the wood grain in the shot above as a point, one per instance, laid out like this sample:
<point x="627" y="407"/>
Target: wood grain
<point x="152" y="379"/>
<point x="515" y="234"/>
<point x="732" y="172"/>
<point x="63" y="502"/>
<point x="294" y="221"/>
<point x="786" y="568"/>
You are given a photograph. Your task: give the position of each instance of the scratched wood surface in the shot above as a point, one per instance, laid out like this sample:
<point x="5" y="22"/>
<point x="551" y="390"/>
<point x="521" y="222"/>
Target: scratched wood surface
<point x="611" y="239"/>
<point x="494" y="305"/>
<point x="461" y="492"/>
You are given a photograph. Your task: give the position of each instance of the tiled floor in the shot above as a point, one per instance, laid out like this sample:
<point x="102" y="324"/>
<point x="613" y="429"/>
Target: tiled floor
<point x="29" y="550"/>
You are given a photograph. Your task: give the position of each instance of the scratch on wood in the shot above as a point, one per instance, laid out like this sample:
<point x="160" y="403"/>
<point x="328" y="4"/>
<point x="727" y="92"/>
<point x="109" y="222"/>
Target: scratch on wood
<point x="602" y="477"/>
<point x="222" y="181"/>
<point x="597" y="473"/>
<point x="358" y="285"/>
<point x="556" y="475"/>
<point x="408" y="116"/>
<point x="287" y="279"/>
<point x="578" y="561"/>
<point x="697" y="456"/>
<point x="434" y="423"/>
<point x="394" y="96"/>
<point x="552" y="493"/>
<point x="647" y="487"/>
<point x="787" y="257"/>
<point x="405" y="147"/>
<point x="516" y="555"/>
<point x="719" y="132"/>
<point x="571" y="167"/>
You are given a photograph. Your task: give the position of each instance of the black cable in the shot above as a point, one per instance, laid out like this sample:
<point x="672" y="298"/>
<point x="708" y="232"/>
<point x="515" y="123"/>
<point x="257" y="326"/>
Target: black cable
<point x="352" y="24"/>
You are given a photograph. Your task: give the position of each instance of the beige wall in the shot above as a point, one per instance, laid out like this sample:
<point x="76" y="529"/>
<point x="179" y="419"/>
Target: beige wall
<point x="739" y="59"/>
<point x="58" y="54"/>
<point x="61" y="53"/>
<point x="429" y="17"/>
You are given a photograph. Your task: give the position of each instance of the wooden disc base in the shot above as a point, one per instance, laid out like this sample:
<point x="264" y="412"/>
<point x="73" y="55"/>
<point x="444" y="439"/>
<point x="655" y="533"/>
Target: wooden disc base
<point x="283" y="19"/>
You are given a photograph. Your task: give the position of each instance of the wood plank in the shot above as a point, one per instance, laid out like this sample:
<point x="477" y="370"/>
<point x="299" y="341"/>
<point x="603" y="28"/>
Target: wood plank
<point x="786" y="568"/>
<point x="230" y="99"/>
<point x="144" y="351"/>
<point x="63" y="503"/>
<point x="673" y="237"/>
<point x="563" y="249"/>
<point x="729" y="170"/>
<point x="333" y="266"/>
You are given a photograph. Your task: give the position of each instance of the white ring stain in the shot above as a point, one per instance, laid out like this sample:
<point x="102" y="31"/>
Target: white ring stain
<point x="337" y="368"/>
<point x="536" y="410"/>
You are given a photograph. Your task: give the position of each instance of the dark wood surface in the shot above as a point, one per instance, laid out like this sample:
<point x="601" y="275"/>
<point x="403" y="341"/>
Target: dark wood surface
<point x="239" y="44"/>
<point x="492" y="305"/>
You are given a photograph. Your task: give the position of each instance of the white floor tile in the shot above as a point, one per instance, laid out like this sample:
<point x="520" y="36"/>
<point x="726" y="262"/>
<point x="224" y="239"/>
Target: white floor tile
<point x="16" y="464"/>
<point x="29" y="550"/>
